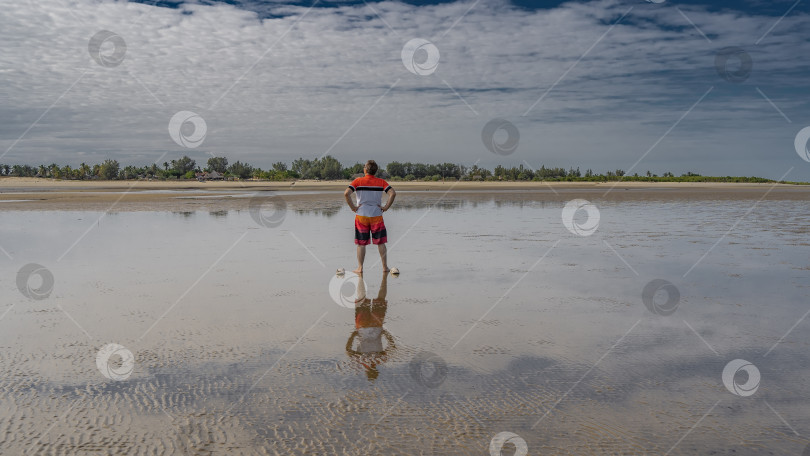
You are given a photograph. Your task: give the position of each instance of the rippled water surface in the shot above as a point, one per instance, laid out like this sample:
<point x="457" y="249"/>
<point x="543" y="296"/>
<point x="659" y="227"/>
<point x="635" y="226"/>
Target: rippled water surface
<point x="501" y="320"/>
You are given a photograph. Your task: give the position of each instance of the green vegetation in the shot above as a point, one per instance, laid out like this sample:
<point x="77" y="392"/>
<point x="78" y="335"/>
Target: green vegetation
<point x="183" y="168"/>
<point x="329" y="168"/>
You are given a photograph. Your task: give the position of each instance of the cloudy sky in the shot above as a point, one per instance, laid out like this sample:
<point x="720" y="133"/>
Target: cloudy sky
<point x="603" y="84"/>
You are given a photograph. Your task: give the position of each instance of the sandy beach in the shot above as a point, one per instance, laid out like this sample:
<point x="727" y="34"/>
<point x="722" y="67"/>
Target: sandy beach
<point x="48" y="194"/>
<point x="102" y="185"/>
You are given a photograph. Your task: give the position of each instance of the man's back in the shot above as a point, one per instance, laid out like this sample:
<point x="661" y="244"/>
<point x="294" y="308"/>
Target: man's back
<point x="369" y="194"/>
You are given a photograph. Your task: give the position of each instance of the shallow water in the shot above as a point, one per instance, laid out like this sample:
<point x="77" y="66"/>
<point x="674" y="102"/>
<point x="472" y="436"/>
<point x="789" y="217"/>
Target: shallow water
<point x="239" y="348"/>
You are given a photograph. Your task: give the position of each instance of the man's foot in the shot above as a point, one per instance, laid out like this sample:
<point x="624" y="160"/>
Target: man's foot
<point x="358" y="270"/>
<point x="385" y="269"/>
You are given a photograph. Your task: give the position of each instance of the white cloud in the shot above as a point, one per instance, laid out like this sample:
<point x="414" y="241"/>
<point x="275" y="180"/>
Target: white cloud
<point x="279" y="88"/>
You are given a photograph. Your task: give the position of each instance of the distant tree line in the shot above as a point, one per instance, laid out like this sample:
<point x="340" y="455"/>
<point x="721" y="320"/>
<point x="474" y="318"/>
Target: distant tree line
<point x="183" y="168"/>
<point x="329" y="168"/>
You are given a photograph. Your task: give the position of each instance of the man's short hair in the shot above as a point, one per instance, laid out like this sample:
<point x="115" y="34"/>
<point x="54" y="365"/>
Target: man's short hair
<point x="371" y="167"/>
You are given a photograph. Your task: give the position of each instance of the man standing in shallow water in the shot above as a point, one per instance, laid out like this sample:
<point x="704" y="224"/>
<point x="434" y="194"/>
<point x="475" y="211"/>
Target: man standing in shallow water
<point x="368" y="221"/>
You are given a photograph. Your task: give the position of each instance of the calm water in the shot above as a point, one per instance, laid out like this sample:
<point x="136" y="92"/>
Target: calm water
<point x="502" y="320"/>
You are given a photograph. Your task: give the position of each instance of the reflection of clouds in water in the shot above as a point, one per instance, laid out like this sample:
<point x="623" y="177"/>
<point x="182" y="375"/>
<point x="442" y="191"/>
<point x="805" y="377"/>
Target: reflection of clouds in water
<point x="313" y="395"/>
<point x="657" y="382"/>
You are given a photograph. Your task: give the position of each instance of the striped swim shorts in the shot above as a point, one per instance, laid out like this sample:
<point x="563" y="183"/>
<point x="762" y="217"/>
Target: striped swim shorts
<point x="369" y="230"/>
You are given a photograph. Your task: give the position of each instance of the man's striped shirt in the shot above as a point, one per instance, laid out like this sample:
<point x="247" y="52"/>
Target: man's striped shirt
<point x="369" y="194"/>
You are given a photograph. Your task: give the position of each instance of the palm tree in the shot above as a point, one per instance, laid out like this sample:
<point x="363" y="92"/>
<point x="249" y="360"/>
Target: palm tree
<point x="85" y="170"/>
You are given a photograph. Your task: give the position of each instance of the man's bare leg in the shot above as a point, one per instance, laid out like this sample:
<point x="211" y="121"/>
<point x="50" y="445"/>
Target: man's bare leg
<point x="361" y="256"/>
<point x="383" y="256"/>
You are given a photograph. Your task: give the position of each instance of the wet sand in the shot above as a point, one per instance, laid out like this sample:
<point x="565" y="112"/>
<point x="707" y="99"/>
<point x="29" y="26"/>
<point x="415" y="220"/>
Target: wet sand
<point x="24" y="194"/>
<point x="240" y="349"/>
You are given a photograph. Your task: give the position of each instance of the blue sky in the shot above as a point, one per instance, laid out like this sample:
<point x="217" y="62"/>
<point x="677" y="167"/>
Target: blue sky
<point x="602" y="84"/>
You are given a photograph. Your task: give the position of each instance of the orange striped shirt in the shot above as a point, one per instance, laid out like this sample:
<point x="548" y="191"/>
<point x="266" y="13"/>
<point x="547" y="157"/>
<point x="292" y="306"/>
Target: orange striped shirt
<point x="369" y="194"/>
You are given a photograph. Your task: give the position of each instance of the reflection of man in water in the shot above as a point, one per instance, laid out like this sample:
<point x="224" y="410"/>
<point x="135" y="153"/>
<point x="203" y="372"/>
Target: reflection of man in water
<point x="369" y="315"/>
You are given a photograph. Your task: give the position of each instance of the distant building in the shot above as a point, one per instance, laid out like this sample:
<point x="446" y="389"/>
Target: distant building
<point x="213" y="175"/>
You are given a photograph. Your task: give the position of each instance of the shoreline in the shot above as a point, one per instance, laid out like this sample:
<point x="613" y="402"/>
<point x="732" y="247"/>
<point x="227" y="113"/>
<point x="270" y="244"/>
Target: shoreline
<point x="27" y="194"/>
<point x="45" y="184"/>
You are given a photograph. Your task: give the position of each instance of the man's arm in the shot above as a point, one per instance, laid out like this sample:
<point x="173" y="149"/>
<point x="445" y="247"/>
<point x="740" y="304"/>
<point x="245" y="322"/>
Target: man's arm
<point x="391" y="195"/>
<point x="348" y="195"/>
